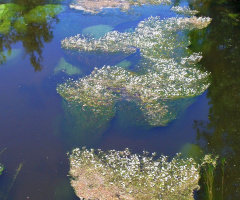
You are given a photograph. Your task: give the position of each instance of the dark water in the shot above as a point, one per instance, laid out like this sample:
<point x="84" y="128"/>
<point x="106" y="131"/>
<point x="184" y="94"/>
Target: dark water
<point x="219" y="133"/>
<point x="38" y="128"/>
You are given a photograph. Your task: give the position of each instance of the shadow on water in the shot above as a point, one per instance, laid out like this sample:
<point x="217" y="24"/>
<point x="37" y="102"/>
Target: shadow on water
<point x="28" y="22"/>
<point x="220" y="134"/>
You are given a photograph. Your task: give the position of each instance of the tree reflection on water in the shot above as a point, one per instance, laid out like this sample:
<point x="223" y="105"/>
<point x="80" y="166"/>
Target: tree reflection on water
<point x="221" y="133"/>
<point x="30" y="23"/>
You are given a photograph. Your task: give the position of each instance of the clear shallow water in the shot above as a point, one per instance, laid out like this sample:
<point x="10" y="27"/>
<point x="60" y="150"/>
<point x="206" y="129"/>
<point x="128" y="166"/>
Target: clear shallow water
<point x="37" y="129"/>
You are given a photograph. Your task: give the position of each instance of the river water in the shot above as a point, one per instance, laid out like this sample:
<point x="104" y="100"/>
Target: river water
<point x="38" y="127"/>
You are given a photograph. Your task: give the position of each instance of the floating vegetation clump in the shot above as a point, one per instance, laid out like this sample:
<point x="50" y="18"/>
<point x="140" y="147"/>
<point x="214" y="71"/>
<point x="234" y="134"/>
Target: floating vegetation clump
<point x="93" y="6"/>
<point x="122" y="175"/>
<point x="169" y="71"/>
<point x="107" y="85"/>
<point x="150" y="34"/>
<point x="184" y="10"/>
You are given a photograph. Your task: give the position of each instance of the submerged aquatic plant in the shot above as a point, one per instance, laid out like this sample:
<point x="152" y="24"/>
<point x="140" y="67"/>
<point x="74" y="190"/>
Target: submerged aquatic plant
<point x="84" y="125"/>
<point x="1" y="168"/>
<point x="93" y="6"/>
<point x="66" y="67"/>
<point x="123" y="175"/>
<point x="169" y="72"/>
<point x="97" y="31"/>
<point x="4" y="191"/>
<point x="124" y="64"/>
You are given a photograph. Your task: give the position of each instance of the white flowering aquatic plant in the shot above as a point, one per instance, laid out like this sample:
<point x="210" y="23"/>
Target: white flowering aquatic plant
<point x="169" y="71"/>
<point x="184" y="10"/>
<point x="120" y="174"/>
<point x="93" y="6"/>
<point x="152" y="33"/>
